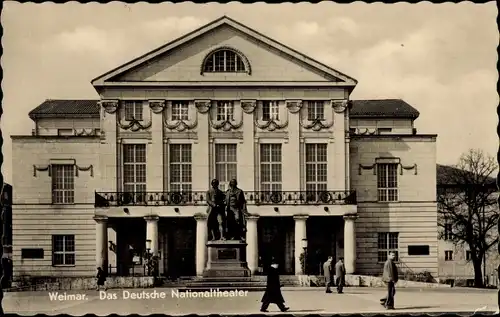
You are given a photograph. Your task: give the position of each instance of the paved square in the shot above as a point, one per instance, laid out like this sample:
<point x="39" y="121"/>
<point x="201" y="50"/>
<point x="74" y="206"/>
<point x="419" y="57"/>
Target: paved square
<point x="300" y="300"/>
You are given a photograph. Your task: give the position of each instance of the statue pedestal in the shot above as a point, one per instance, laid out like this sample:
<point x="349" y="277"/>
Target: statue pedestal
<point x="226" y="259"/>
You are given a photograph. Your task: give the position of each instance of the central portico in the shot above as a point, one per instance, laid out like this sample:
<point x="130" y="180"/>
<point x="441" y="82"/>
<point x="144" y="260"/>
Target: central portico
<point x="224" y="102"/>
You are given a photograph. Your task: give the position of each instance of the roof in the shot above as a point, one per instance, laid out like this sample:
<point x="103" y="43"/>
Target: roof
<point x="393" y="108"/>
<point x="59" y="108"/>
<point x="224" y="20"/>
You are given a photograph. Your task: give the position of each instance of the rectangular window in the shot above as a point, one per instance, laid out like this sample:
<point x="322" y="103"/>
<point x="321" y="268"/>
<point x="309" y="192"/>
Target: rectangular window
<point x="315" y="110"/>
<point x="387" y="182"/>
<point x="270" y="110"/>
<point x="65" y="132"/>
<point x="448" y="231"/>
<point x="316" y="170"/>
<point x="270" y="167"/>
<point x="180" y="168"/>
<point x="63" y="184"/>
<point x="388" y="242"/>
<point x="133" y="110"/>
<point x="448" y="255"/>
<point x="418" y="250"/>
<point x="32" y="253"/>
<point x="384" y="131"/>
<point x="63" y="250"/>
<point x="134" y="171"/>
<point x="225" y="111"/>
<point x="180" y="110"/>
<point x="468" y="255"/>
<point x="225" y="164"/>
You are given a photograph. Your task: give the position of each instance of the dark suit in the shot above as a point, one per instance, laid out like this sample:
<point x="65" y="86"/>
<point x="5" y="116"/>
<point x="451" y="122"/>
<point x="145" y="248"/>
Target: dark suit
<point x="340" y="276"/>
<point x="236" y="209"/>
<point x="327" y="272"/>
<point x="390" y="276"/>
<point x="273" y="291"/>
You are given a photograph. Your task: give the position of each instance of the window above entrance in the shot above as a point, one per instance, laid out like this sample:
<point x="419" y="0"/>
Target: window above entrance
<point x="225" y="60"/>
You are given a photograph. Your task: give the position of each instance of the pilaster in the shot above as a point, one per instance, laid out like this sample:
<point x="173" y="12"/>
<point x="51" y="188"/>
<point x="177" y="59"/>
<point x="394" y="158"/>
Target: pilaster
<point x="291" y="159"/>
<point x="108" y="155"/>
<point x="339" y="172"/>
<point x="246" y="160"/>
<point x="155" y="149"/>
<point x="201" y="151"/>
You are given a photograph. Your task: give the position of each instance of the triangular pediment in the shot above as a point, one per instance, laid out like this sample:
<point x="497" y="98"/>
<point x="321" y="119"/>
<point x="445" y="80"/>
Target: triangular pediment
<point x="264" y="60"/>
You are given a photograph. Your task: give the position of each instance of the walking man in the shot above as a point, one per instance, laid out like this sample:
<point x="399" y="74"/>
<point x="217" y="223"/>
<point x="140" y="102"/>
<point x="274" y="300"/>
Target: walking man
<point x="340" y="275"/>
<point x="390" y="277"/>
<point x="273" y="290"/>
<point x="101" y="278"/>
<point x="327" y="272"/>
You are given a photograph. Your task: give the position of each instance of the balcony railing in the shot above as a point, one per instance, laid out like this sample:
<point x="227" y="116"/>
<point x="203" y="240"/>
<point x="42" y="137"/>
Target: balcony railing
<point x="108" y="199"/>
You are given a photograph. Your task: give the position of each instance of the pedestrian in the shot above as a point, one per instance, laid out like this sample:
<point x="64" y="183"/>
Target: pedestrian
<point x="340" y="275"/>
<point x="498" y="294"/>
<point x="390" y="277"/>
<point x="101" y="278"/>
<point x="327" y="273"/>
<point x="273" y="290"/>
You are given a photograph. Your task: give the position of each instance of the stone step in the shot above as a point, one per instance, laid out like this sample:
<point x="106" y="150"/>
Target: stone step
<point x="221" y="288"/>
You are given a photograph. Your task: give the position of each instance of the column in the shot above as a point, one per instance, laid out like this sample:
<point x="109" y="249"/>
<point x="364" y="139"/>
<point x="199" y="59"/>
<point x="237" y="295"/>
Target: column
<point x="155" y="149"/>
<point x="252" y="243"/>
<point x="152" y="232"/>
<point x="101" y="242"/>
<point x="201" y="242"/>
<point x="350" y="243"/>
<point x="300" y="234"/>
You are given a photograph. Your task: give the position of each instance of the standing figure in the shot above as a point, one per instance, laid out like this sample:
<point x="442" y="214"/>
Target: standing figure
<point x="390" y="277"/>
<point x="340" y="275"/>
<point x="327" y="272"/>
<point x="216" y="215"/>
<point x="273" y="290"/>
<point x="101" y="278"/>
<point x="236" y="209"/>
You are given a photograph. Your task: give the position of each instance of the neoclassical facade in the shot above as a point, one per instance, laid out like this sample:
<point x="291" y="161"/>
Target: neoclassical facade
<point x="104" y="182"/>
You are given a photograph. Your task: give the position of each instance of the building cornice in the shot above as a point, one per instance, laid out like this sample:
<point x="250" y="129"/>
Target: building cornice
<point x="394" y="137"/>
<point x="49" y="138"/>
<point x="239" y="84"/>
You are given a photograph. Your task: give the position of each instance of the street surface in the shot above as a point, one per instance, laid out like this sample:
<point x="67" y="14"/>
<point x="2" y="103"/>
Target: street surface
<point x="300" y="301"/>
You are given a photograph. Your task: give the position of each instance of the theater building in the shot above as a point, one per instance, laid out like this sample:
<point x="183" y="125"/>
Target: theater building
<point x="105" y="182"/>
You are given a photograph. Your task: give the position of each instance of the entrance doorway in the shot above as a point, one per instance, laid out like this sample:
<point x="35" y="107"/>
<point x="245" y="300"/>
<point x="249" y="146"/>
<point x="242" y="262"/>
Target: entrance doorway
<point x="181" y="240"/>
<point x="276" y="242"/>
<point x="321" y="237"/>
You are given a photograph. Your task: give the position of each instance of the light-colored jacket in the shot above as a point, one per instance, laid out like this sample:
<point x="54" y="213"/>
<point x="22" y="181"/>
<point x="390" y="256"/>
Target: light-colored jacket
<point x="390" y="272"/>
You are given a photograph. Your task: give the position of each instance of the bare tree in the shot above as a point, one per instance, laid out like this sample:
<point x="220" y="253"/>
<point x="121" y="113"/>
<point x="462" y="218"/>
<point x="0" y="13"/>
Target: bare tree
<point x="467" y="201"/>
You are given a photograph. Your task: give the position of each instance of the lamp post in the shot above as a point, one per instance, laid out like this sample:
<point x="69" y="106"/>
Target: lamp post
<point x="148" y="256"/>
<point x="304" y="247"/>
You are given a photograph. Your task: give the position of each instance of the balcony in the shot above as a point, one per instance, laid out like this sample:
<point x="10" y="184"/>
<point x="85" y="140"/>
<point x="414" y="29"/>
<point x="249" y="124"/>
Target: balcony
<point x="116" y="199"/>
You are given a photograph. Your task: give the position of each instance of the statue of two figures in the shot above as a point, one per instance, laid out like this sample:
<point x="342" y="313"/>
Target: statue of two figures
<point x="226" y="212"/>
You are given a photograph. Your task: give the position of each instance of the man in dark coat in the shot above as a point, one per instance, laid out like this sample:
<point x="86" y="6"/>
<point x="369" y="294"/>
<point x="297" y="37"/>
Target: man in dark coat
<point x="273" y="290"/>
<point x="236" y="210"/>
<point x="327" y="273"/>
<point x="340" y="275"/>
<point x="390" y="277"/>
<point x="216" y="214"/>
<point x="101" y="278"/>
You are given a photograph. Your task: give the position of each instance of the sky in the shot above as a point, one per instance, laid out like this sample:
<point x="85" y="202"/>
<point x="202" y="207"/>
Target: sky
<point x="440" y="58"/>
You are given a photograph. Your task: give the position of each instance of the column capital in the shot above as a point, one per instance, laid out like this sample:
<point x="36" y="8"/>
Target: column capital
<point x="300" y="217"/>
<point x="252" y="217"/>
<point x="151" y="218"/>
<point x="351" y="217"/>
<point x="101" y="219"/>
<point x="200" y="216"/>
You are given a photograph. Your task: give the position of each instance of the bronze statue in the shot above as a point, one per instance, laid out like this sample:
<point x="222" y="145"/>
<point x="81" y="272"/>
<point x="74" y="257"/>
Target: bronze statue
<point x="216" y="214"/>
<point x="236" y="210"/>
